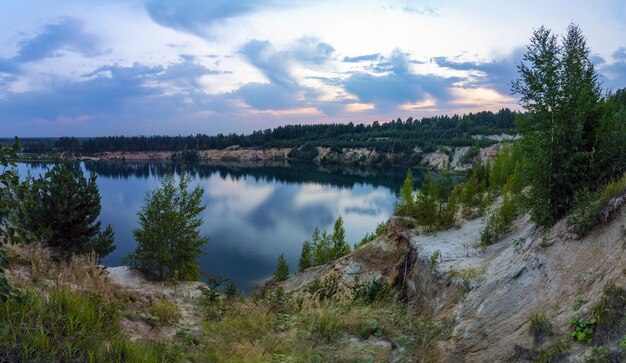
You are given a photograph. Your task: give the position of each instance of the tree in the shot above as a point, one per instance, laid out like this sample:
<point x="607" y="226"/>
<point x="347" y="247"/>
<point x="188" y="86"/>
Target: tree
<point x="406" y="204"/>
<point x="282" y="269"/>
<point x="559" y="88"/>
<point x="306" y="256"/>
<point x="339" y="246"/>
<point x="62" y="209"/>
<point x="7" y="179"/>
<point x="169" y="241"/>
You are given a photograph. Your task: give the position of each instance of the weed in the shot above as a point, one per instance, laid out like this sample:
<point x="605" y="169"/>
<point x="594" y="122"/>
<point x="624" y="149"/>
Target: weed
<point x="540" y="327"/>
<point x="465" y="275"/>
<point x="578" y="303"/>
<point x="434" y="259"/>
<point x="165" y="311"/>
<point x="555" y="353"/>
<point x="518" y="244"/>
<point x="582" y="329"/>
<point x="326" y="288"/>
<point x="610" y="313"/>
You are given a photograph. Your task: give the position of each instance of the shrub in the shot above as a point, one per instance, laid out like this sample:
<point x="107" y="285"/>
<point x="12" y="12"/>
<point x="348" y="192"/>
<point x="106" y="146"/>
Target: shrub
<point x="500" y="221"/>
<point x="540" y="327"/>
<point x="434" y="259"/>
<point x="326" y="288"/>
<point x="610" y="313"/>
<point x="371" y="291"/>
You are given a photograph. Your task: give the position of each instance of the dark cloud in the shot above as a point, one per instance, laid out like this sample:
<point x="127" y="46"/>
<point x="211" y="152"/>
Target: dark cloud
<point x="197" y="16"/>
<point x="267" y="96"/>
<point x="66" y="34"/>
<point x="363" y="58"/>
<point x="497" y="74"/>
<point x="111" y="96"/>
<point x="398" y="85"/>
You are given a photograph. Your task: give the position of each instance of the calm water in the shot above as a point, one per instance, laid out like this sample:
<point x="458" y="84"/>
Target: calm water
<point x="254" y="210"/>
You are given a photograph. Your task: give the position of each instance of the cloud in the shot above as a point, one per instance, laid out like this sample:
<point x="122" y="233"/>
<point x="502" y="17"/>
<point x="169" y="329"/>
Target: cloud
<point x="198" y="16"/>
<point x="426" y="10"/>
<point x="311" y="50"/>
<point x="363" y="58"/>
<point x="113" y="95"/>
<point x="614" y="73"/>
<point x="398" y="85"/>
<point x="283" y="91"/>
<point x="496" y="74"/>
<point x="66" y="34"/>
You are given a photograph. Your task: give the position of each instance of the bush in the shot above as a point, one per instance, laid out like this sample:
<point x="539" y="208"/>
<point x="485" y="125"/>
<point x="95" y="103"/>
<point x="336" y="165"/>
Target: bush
<point x="500" y="221"/>
<point x="371" y="291"/>
<point x="326" y="288"/>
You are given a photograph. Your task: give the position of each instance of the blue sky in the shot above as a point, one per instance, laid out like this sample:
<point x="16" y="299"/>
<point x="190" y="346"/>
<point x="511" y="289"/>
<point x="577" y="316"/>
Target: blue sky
<point x="133" y="67"/>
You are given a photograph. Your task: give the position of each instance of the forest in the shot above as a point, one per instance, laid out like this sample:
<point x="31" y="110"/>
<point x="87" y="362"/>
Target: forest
<point x="395" y="136"/>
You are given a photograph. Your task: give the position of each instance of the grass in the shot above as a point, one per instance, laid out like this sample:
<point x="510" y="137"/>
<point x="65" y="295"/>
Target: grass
<point x="66" y="325"/>
<point x="317" y="330"/>
<point x="165" y="311"/>
<point x="610" y="314"/>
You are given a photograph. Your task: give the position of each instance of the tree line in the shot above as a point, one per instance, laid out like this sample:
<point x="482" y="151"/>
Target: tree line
<point x="395" y="136"/>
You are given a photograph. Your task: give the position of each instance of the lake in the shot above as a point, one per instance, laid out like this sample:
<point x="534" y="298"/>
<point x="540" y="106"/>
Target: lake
<point x="254" y="210"/>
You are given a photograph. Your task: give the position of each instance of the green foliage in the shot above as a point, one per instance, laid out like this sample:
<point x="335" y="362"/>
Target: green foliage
<point x="610" y="313"/>
<point x="470" y="156"/>
<point x="169" y="240"/>
<point x="555" y="353"/>
<point x="582" y="329"/>
<point x="7" y="179"/>
<point x="433" y="206"/>
<point x="380" y="230"/>
<point x="434" y="259"/>
<point x="405" y="206"/>
<point x="282" y="269"/>
<point x="165" y="311"/>
<point x="471" y="193"/>
<point x="570" y="136"/>
<point x="578" y="303"/>
<point x="500" y="221"/>
<point x="371" y="291"/>
<point x="62" y="209"/>
<point x="540" y="327"/>
<point x="307" y="151"/>
<point x="69" y="326"/>
<point x="339" y="247"/>
<point x="323" y="247"/>
<point x="306" y="256"/>
<point x="326" y="288"/>
<point x="592" y="207"/>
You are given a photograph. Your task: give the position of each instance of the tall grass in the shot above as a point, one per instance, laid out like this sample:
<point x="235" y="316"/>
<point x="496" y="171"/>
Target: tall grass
<point x="66" y="325"/>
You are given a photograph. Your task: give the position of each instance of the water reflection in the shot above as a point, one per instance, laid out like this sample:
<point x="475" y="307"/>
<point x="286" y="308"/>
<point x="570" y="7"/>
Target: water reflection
<point x="254" y="210"/>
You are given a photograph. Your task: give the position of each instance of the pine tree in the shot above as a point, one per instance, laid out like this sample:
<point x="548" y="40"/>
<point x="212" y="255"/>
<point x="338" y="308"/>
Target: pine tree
<point x="63" y="208"/>
<point x="306" y="256"/>
<point x="406" y="205"/>
<point x="169" y="240"/>
<point x="282" y="269"/>
<point x="339" y="246"/>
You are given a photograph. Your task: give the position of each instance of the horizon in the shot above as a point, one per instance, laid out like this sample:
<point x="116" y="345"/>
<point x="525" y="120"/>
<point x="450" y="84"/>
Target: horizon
<point x="156" y="67"/>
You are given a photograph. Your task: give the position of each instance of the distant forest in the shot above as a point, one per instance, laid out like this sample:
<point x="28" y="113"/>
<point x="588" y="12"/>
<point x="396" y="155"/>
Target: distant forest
<point x="396" y="136"/>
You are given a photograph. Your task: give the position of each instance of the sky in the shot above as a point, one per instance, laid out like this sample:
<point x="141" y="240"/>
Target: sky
<point x="169" y="67"/>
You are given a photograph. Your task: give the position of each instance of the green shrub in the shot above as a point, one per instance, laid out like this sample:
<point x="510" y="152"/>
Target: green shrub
<point x="434" y="259"/>
<point x="610" y="313"/>
<point x="371" y="291"/>
<point x="500" y="221"/>
<point x="582" y="329"/>
<point x="165" y="311"/>
<point x="326" y="288"/>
